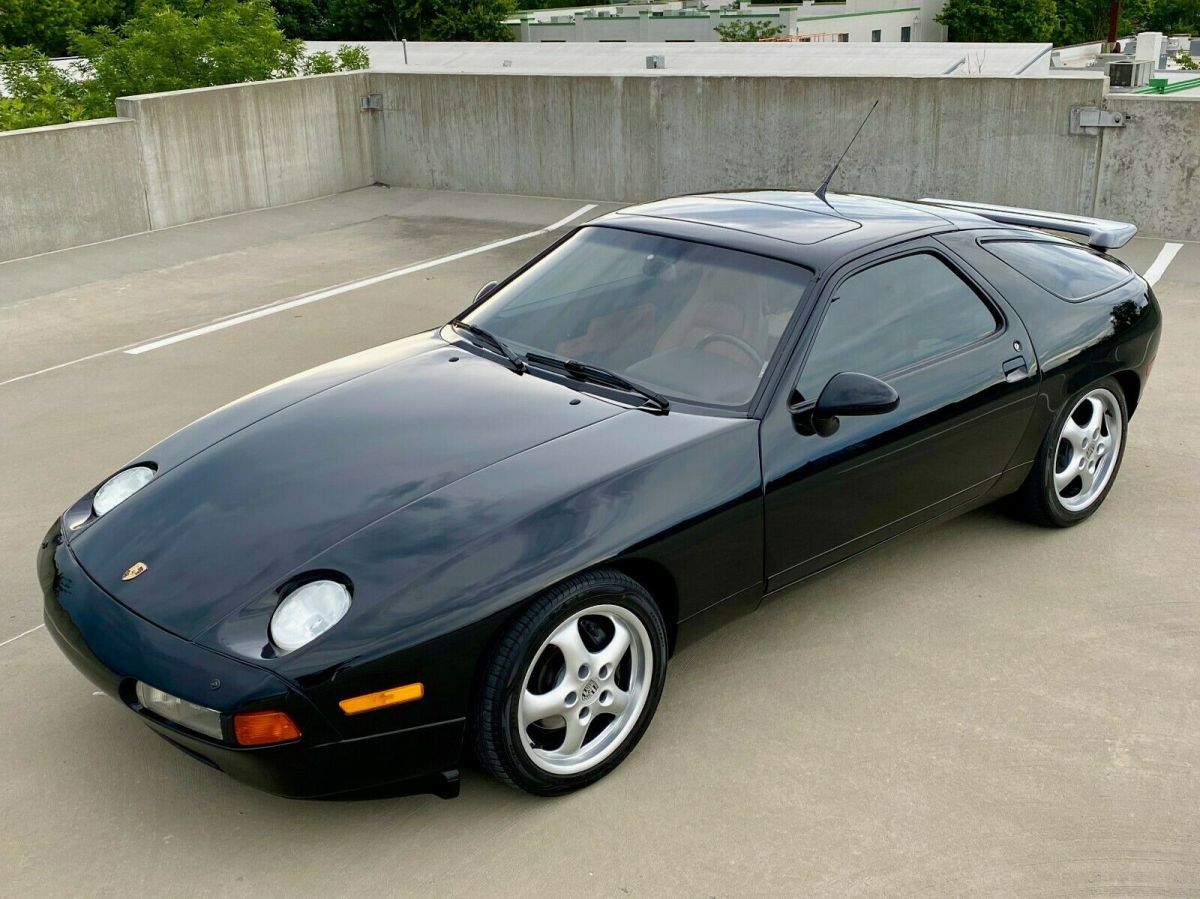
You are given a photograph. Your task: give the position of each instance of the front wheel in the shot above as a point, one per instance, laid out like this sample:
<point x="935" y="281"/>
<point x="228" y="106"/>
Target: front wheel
<point x="1079" y="459"/>
<point x="571" y="687"/>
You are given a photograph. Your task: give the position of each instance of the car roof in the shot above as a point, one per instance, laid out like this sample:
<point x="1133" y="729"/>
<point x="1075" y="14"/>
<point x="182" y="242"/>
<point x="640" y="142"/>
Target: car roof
<point x="794" y="225"/>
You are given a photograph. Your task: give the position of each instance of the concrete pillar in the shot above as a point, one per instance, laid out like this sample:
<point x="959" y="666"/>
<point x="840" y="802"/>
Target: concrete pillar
<point x="1149" y="46"/>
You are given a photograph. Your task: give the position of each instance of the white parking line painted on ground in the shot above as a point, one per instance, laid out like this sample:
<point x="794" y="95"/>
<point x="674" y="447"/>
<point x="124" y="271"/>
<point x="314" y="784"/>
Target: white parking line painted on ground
<point x="1165" y="257"/>
<point x="346" y="288"/>
<point x="22" y="634"/>
<point x="46" y="371"/>
<point x="138" y="347"/>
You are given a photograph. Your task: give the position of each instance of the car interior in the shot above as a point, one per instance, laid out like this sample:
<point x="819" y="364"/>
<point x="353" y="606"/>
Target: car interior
<point x="687" y="319"/>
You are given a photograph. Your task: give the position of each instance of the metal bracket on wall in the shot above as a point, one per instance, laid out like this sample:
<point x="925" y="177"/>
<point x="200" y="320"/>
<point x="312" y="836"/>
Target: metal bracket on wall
<point x="370" y="102"/>
<point x="1090" y="119"/>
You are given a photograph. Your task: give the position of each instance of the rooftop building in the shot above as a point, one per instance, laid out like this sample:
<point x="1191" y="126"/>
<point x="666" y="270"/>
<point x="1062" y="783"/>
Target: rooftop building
<point x="779" y="59"/>
<point x="695" y="21"/>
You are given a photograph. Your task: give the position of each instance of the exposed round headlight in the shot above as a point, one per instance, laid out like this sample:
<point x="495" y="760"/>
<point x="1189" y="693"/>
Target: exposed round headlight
<point x="307" y="612"/>
<point x="120" y="487"/>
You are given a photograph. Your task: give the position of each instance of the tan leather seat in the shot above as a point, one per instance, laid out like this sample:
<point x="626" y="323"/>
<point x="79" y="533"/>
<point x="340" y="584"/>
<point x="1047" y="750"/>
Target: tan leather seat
<point x="724" y="302"/>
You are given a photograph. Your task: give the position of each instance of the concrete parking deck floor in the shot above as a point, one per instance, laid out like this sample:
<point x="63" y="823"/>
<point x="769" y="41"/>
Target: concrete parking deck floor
<point x="982" y="709"/>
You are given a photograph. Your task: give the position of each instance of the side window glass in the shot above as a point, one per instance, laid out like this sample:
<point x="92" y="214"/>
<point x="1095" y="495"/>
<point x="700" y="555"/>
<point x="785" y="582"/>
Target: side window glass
<point x="893" y="315"/>
<point x="1068" y="271"/>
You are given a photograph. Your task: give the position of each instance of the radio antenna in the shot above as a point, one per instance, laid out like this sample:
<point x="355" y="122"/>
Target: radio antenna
<point x="833" y="171"/>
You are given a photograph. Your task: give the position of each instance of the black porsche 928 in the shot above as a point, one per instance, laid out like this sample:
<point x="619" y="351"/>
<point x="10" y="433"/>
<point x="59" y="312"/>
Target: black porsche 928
<point x="490" y="537"/>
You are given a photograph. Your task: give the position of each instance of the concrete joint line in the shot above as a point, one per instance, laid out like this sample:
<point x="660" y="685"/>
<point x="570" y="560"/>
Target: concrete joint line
<point x="237" y="318"/>
<point x="22" y="634"/>
<point x="306" y="299"/>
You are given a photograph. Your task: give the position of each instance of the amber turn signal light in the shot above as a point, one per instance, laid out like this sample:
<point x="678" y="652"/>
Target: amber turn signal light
<point x="370" y="701"/>
<point x="264" y="728"/>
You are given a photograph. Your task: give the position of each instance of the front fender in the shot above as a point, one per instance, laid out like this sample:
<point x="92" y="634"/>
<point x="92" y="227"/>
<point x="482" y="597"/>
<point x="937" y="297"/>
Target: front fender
<point x="445" y="572"/>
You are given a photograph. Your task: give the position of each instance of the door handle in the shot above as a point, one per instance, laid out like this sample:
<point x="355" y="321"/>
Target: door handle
<point x="1016" y="369"/>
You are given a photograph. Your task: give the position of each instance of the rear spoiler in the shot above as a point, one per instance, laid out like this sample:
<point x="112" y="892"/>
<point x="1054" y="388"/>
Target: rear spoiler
<point x="1101" y="234"/>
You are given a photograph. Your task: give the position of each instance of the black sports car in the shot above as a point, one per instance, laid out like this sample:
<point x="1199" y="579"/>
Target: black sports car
<point x="490" y="537"/>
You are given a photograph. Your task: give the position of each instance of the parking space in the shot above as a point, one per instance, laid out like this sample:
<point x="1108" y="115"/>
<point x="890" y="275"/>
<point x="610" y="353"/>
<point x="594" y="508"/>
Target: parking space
<point x="983" y="708"/>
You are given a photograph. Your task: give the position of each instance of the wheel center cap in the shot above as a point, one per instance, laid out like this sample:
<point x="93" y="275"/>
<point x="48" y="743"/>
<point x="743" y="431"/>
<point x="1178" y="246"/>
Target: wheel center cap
<point x="589" y="690"/>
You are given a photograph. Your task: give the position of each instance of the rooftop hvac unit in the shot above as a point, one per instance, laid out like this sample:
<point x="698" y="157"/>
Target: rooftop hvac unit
<point x="1131" y="73"/>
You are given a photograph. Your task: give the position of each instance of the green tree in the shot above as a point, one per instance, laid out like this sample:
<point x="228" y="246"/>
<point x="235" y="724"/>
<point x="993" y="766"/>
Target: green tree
<point x="112" y="13"/>
<point x="1084" y="21"/>
<point x="346" y="58"/>
<point x="176" y="44"/>
<point x="1175" y="16"/>
<point x="747" y="31"/>
<point x="37" y="92"/>
<point x="305" y="19"/>
<point x="45" y="25"/>
<point x="166" y="45"/>
<point x="546" y="4"/>
<point x="1000" y="21"/>
<point x="421" y="20"/>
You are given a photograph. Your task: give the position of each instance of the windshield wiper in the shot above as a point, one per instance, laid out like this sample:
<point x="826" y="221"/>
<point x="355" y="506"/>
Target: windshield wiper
<point x="518" y="364"/>
<point x="598" y="375"/>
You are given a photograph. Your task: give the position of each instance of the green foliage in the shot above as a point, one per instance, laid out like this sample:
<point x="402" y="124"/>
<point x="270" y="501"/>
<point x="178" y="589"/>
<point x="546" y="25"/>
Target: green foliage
<point x="166" y="45"/>
<point x="112" y="13"/>
<point x="42" y="24"/>
<point x="176" y="44"/>
<point x="546" y="4"/>
<point x="1186" y="62"/>
<point x="422" y="20"/>
<point x="304" y="19"/>
<point x="1000" y="21"/>
<point x="736" y="30"/>
<point x="46" y="25"/>
<point x="1174" y="16"/>
<point x="1064" y="22"/>
<point x="1084" y="21"/>
<point x="346" y="59"/>
<point x="39" y="93"/>
<point x="352" y="58"/>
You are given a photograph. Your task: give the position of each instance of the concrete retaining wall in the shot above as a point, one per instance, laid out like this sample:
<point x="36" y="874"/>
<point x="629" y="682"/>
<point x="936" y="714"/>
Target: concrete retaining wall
<point x="638" y="137"/>
<point x="219" y="150"/>
<point x="1150" y="170"/>
<point x="69" y="184"/>
<point x="181" y="157"/>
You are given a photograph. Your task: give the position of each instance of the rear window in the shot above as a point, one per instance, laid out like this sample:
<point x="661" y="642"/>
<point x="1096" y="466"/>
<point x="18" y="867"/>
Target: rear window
<point x="1067" y="271"/>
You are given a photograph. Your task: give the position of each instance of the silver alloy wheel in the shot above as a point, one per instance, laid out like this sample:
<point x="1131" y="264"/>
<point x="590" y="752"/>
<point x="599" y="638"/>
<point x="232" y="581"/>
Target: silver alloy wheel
<point x="1087" y="451"/>
<point x="585" y="689"/>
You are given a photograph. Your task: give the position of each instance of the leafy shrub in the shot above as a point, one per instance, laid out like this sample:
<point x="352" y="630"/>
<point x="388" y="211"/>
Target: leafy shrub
<point x="166" y="45"/>
<point x="748" y="31"/>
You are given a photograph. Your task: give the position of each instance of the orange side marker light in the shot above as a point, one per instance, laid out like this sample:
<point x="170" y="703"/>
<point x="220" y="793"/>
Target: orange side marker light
<point x="368" y="702"/>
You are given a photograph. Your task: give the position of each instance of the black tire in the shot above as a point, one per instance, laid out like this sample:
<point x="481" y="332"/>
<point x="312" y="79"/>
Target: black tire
<point x="1037" y="500"/>
<point x="499" y="743"/>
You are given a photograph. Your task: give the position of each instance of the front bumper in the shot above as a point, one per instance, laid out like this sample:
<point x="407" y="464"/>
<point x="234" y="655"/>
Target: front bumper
<point x="114" y="648"/>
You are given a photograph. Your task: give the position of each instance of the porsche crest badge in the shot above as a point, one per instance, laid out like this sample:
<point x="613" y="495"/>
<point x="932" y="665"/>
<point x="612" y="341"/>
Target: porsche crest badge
<point x="135" y="570"/>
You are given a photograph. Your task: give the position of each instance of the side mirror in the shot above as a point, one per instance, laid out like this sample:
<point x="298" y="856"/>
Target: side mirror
<point x="486" y="291"/>
<point x="849" y="393"/>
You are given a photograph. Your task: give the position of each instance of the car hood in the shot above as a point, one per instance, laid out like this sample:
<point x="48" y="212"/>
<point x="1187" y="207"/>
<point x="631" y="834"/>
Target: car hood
<point x="246" y="497"/>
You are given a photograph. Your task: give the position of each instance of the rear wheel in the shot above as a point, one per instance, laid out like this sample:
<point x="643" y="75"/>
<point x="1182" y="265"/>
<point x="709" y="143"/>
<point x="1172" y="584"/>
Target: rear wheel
<point x="572" y="685"/>
<point x="1079" y="459"/>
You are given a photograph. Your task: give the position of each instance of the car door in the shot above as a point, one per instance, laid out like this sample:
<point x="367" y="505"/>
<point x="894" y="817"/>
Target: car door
<point x="961" y="362"/>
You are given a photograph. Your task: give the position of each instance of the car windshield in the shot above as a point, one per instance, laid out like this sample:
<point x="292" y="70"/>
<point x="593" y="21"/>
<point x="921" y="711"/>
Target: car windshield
<point x="689" y="320"/>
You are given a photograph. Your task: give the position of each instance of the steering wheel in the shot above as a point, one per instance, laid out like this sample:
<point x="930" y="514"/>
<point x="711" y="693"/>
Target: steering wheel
<point x="737" y="342"/>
